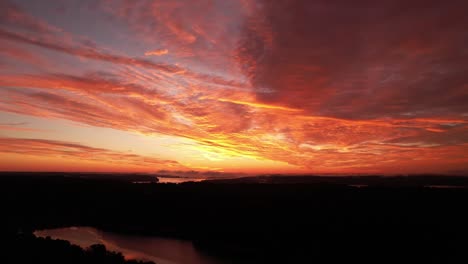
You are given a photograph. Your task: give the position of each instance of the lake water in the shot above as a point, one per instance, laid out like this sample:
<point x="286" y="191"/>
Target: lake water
<point x="159" y="250"/>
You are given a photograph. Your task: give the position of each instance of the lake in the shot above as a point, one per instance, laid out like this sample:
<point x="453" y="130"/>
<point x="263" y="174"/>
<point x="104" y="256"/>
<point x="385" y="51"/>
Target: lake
<point x="158" y="250"/>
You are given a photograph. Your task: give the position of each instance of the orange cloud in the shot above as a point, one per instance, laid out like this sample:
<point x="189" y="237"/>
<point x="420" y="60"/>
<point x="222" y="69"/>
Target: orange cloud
<point x="76" y="152"/>
<point x="158" y="52"/>
<point x="259" y="105"/>
<point x="13" y="127"/>
<point x="232" y="128"/>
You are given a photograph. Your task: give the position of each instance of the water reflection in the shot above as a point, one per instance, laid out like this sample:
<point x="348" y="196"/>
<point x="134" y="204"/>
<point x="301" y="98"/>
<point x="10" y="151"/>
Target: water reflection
<point x="159" y="250"/>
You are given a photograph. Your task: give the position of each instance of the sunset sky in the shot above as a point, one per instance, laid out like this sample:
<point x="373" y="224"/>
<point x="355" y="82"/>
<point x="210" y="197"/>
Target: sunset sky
<point x="248" y="86"/>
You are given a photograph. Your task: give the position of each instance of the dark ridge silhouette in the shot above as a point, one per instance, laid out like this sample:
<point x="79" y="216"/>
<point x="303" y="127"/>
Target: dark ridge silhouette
<point x="26" y="248"/>
<point x="122" y="177"/>
<point x="357" y="181"/>
<point x="391" y="220"/>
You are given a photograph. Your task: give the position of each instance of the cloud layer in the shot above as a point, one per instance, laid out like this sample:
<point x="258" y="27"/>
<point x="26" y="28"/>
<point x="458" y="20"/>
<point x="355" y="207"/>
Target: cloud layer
<point x="324" y="86"/>
<point x="360" y="60"/>
<point x="77" y="153"/>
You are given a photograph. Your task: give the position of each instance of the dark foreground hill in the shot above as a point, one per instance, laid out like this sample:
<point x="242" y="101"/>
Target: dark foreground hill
<point x="429" y="181"/>
<point x="253" y="223"/>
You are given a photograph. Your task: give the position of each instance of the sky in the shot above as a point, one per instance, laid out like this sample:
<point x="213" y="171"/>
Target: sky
<point x="234" y="86"/>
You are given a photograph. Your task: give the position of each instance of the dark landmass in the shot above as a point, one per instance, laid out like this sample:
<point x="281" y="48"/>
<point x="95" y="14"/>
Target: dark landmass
<point x="54" y="176"/>
<point x="26" y="248"/>
<point x="284" y="220"/>
<point x="356" y="181"/>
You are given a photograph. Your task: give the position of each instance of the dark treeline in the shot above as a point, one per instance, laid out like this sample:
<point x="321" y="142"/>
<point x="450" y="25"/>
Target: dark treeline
<point x="369" y="180"/>
<point x="254" y="223"/>
<point x="119" y="177"/>
<point x="26" y="248"/>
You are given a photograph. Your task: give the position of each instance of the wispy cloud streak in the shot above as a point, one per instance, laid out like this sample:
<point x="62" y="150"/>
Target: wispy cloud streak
<point x="51" y="148"/>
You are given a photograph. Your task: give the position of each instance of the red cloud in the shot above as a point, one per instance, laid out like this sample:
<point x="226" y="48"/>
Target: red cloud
<point x="12" y="15"/>
<point x="88" y="52"/>
<point x="359" y="60"/>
